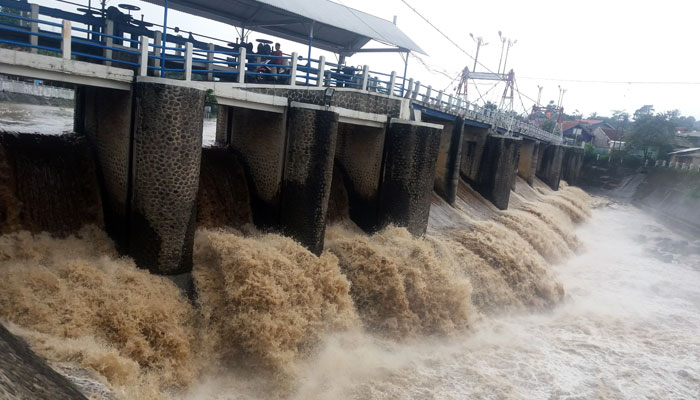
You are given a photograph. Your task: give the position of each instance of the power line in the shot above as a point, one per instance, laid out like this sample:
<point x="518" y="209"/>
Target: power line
<point x="450" y="40"/>
<point x="613" y="82"/>
<point x="522" y="103"/>
<point x="444" y="35"/>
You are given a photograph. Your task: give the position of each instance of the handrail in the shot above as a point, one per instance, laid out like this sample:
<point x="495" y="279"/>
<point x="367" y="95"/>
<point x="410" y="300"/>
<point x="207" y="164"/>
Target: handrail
<point x="146" y="53"/>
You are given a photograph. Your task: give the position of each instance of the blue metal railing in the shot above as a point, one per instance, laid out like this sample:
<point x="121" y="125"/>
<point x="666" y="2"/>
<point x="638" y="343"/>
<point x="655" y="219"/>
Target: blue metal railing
<point x="188" y="59"/>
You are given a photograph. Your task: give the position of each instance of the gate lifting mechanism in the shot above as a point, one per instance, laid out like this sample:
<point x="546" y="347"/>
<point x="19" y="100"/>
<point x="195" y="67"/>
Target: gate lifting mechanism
<point x="507" y="98"/>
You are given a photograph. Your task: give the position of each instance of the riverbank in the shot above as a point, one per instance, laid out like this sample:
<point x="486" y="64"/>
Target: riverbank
<point x="672" y="194"/>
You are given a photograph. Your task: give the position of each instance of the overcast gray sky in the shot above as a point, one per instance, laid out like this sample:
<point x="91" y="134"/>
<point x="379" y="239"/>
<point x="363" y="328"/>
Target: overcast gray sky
<point x="608" y="55"/>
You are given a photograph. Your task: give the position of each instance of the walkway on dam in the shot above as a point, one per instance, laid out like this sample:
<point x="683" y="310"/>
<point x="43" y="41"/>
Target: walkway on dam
<point x="95" y="51"/>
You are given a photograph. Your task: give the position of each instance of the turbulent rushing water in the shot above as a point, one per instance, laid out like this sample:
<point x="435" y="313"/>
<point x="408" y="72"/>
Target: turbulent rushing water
<point x="627" y="330"/>
<point x="521" y="304"/>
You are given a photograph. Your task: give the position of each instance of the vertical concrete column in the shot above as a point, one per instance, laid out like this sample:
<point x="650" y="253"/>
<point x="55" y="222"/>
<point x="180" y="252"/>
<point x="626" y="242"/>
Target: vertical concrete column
<point x="449" y="160"/>
<point x="473" y="142"/>
<point x="358" y="155"/>
<point x="572" y="163"/>
<point x="79" y="109"/>
<point x="527" y="166"/>
<point x="410" y="154"/>
<point x="167" y="149"/>
<point x="499" y="164"/>
<point x="549" y="164"/>
<point x="308" y="172"/>
<point x="258" y="139"/>
<point x="104" y="116"/>
<point x="223" y="125"/>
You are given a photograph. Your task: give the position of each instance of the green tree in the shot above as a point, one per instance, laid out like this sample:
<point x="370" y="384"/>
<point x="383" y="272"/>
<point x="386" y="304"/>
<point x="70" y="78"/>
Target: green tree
<point x="491" y="106"/>
<point x="620" y="119"/>
<point x="651" y="132"/>
<point x="549" y="125"/>
<point x="644" y="111"/>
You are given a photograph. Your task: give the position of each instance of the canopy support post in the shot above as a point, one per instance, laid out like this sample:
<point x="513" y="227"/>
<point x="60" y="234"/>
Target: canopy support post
<point x="308" y="58"/>
<point x="165" y="36"/>
<point x="405" y="71"/>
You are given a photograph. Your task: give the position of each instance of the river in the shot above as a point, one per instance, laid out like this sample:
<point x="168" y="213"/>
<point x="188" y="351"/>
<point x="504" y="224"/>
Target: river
<point x="543" y="301"/>
<point x="628" y="329"/>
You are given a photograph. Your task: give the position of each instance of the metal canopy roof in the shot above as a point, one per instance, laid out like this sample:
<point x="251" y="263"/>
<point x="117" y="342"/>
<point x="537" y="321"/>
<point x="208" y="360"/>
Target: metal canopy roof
<point x="337" y="28"/>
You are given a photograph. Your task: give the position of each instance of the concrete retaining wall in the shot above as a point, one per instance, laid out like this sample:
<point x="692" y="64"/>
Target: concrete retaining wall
<point x="36" y="90"/>
<point x="258" y="139"/>
<point x="104" y="116"/>
<point x="358" y="157"/>
<point x="410" y="154"/>
<point x="473" y="142"/>
<point x="345" y="98"/>
<point x="449" y="159"/>
<point x="571" y="164"/>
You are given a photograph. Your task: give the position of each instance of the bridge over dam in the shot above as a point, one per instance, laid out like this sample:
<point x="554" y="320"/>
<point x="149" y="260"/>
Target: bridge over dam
<point x="382" y="141"/>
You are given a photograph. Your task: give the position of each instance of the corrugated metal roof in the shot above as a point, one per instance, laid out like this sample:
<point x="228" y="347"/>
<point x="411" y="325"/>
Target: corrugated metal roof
<point x="685" y="151"/>
<point x="337" y="28"/>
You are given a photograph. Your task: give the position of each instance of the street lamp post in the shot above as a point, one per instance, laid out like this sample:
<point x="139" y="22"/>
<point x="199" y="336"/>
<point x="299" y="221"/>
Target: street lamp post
<point x="503" y="45"/>
<point x="510" y="44"/>
<point x="479" y="42"/>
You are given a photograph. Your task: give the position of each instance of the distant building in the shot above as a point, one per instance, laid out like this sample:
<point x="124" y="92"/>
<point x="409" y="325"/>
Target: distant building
<point x="599" y="133"/>
<point x="687" y="139"/>
<point x="687" y="156"/>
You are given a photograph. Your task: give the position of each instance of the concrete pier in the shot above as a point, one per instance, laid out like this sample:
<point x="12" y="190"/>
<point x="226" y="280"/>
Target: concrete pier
<point x="449" y="159"/>
<point x="308" y="172"/>
<point x="499" y="164"/>
<point x="410" y="153"/>
<point x="167" y="148"/>
<point x="527" y="165"/>
<point x="549" y="163"/>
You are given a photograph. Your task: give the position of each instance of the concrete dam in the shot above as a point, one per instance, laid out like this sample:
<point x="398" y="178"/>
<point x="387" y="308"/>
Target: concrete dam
<point x="335" y="227"/>
<point x="290" y="146"/>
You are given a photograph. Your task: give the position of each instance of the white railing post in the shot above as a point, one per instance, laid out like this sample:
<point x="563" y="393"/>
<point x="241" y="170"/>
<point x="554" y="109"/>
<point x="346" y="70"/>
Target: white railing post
<point x="210" y="65"/>
<point x="188" y="61"/>
<point x="157" y="41"/>
<point x="426" y="96"/>
<point x="143" y="59"/>
<point x="392" y="83"/>
<point x="34" y="14"/>
<point x="416" y="90"/>
<point x="365" y="76"/>
<point x="438" y="100"/>
<point x="241" y="65"/>
<point x="321" y="71"/>
<point x="293" y="69"/>
<point x="66" y="40"/>
<point x="109" y="30"/>
<point x="409" y="89"/>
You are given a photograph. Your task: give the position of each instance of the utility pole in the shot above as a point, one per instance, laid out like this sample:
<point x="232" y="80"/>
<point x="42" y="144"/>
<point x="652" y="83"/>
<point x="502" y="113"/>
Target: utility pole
<point x="503" y="45"/>
<point x="479" y="42"/>
<point x="539" y="94"/>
